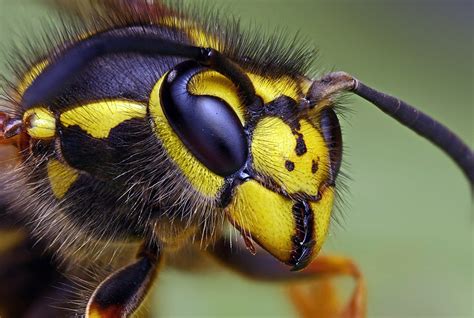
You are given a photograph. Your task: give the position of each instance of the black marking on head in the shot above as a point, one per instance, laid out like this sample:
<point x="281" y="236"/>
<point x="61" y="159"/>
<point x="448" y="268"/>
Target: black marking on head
<point x="285" y="108"/>
<point x="300" y="148"/>
<point x="331" y="131"/>
<point x="303" y="240"/>
<point x="314" y="166"/>
<point x="289" y="165"/>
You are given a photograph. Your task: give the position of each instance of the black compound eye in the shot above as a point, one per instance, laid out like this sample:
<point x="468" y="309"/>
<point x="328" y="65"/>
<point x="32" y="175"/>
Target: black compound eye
<point x="207" y="125"/>
<point x="331" y="130"/>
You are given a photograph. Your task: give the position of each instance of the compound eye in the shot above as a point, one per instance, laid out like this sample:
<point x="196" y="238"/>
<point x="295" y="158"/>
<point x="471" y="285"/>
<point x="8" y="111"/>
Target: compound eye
<point x="331" y="131"/>
<point x="207" y="125"/>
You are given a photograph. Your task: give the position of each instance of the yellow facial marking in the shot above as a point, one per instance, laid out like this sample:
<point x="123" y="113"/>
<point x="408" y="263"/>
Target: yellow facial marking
<point x="30" y="76"/>
<point x="269" y="89"/>
<point x="40" y="123"/>
<point x="266" y="216"/>
<point x="214" y="84"/>
<point x="322" y="214"/>
<point x="202" y="179"/>
<point x="98" y="118"/>
<point x="297" y="160"/>
<point x="61" y="177"/>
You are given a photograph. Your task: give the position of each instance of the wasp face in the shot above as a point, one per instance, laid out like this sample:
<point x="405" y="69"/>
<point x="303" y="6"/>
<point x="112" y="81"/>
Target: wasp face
<point x="272" y="167"/>
<point x="286" y="204"/>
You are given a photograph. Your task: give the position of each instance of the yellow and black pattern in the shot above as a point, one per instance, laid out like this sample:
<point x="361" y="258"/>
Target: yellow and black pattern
<point x="139" y="134"/>
<point x="106" y="126"/>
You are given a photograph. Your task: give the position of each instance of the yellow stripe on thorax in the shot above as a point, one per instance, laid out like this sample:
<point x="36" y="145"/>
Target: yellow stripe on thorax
<point x="61" y="178"/>
<point x="202" y="179"/>
<point x="31" y="75"/>
<point x="98" y="118"/>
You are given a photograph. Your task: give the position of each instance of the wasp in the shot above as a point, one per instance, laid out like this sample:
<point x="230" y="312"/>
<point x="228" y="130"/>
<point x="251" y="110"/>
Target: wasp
<point x="148" y="135"/>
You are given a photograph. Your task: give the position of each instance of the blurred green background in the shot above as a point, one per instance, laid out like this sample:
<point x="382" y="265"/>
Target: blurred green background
<point x="407" y="219"/>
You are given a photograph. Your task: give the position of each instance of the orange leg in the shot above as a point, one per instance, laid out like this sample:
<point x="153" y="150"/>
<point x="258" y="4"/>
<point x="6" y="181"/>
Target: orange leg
<point x="320" y="299"/>
<point x="310" y="289"/>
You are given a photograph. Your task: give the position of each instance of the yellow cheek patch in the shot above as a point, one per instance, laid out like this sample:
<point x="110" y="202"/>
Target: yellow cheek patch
<point x="202" y="179"/>
<point x="215" y="84"/>
<point x="266" y="216"/>
<point x="298" y="160"/>
<point x="40" y="123"/>
<point x="322" y="213"/>
<point x="270" y="220"/>
<point x="97" y="119"/>
<point x="269" y="88"/>
<point x="61" y="178"/>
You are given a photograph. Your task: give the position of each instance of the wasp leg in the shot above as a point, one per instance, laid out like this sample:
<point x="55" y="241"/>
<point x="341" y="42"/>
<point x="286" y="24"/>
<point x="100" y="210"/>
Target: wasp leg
<point x="122" y="293"/>
<point x="319" y="300"/>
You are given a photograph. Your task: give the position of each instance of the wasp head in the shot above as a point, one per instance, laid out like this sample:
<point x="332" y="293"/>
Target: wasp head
<point x="273" y="164"/>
